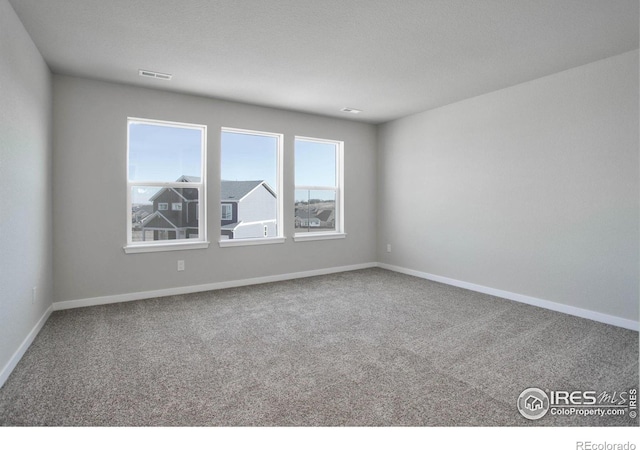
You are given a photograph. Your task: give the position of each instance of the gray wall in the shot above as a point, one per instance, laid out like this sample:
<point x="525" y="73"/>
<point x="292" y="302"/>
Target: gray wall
<point x="531" y="189"/>
<point x="89" y="185"/>
<point x="25" y="183"/>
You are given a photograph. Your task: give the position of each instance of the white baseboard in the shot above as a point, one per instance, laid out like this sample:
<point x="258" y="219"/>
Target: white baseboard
<point x="553" y="306"/>
<point x="57" y="306"/>
<point x="19" y="353"/>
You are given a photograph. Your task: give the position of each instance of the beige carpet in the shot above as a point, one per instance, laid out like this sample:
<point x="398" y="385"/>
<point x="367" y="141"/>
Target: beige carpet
<point x="363" y="348"/>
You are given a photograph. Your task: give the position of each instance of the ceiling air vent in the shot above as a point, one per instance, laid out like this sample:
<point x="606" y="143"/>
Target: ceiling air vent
<point x="152" y="74"/>
<point x="351" y="110"/>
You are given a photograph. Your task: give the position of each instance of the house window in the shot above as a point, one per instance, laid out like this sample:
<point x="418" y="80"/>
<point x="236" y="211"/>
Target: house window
<point x="250" y="187"/>
<point x="165" y="166"/>
<point x="226" y="212"/>
<point x="319" y="195"/>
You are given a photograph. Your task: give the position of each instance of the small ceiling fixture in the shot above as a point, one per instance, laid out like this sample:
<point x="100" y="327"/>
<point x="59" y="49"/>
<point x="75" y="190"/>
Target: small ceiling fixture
<point x="351" y="110"/>
<point x="152" y="74"/>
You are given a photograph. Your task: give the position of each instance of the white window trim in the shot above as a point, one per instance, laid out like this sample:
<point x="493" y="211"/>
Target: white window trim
<point x="180" y="244"/>
<point x="279" y="239"/>
<point x="339" y="232"/>
<point x="251" y="241"/>
<point x="176" y="244"/>
<point x="318" y="236"/>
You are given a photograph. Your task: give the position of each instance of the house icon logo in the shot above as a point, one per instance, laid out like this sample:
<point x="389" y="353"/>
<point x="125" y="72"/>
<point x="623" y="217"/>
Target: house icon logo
<point x="533" y="403"/>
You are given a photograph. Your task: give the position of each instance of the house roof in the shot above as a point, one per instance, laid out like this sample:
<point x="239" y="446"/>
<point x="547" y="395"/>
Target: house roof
<point x="325" y="214"/>
<point x="185" y="193"/>
<point x="157" y="220"/>
<point x="233" y="191"/>
<point x="230" y="226"/>
<point x="188" y="179"/>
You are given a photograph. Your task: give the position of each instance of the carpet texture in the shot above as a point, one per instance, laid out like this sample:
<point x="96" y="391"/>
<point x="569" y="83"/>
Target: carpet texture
<point x="363" y="348"/>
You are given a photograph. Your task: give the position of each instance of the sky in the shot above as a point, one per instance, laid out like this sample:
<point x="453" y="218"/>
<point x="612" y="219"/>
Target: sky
<point x="246" y="157"/>
<point x="164" y="153"/>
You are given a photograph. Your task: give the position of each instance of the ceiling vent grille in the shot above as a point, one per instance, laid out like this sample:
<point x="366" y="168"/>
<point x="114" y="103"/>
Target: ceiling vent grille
<point x="152" y="74"/>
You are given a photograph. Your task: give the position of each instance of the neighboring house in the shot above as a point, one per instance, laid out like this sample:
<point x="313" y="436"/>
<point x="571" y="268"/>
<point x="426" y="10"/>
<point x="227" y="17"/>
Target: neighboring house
<point x="327" y="218"/>
<point x="175" y="213"/>
<point x="140" y="212"/>
<point x="307" y="222"/>
<point x="248" y="210"/>
<point x="314" y="218"/>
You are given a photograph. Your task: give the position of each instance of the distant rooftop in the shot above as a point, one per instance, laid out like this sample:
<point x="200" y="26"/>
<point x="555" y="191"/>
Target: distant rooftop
<point x="234" y="190"/>
<point x="188" y="179"/>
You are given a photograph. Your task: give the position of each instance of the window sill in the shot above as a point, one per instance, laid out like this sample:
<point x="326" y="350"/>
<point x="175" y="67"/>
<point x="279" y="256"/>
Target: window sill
<point x="300" y="237"/>
<point x="150" y="248"/>
<point x="244" y="242"/>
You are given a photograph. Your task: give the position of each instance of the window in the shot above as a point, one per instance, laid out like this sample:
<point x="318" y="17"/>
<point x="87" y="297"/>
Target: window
<point x="319" y="195"/>
<point x="165" y="166"/>
<point x="250" y="188"/>
<point x="227" y="212"/>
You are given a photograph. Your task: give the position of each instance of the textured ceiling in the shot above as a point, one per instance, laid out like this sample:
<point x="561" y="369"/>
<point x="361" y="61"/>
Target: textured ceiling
<point x="388" y="58"/>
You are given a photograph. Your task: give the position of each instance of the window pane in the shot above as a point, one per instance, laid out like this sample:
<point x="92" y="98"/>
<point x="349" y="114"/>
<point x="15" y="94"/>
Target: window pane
<point x="249" y="157"/>
<point x="315" y="210"/>
<point x="249" y="173"/>
<point x="315" y="163"/>
<point x="164" y="152"/>
<point x="154" y="220"/>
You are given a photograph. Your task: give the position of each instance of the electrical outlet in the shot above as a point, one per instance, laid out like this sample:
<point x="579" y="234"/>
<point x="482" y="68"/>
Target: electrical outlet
<point x="34" y="295"/>
<point x="388" y="248"/>
<point x="180" y="265"/>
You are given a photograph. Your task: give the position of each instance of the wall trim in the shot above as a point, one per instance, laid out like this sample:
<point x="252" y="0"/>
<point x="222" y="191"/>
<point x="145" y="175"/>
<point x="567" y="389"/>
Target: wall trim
<point x="26" y="343"/>
<point x="553" y="306"/>
<point x="80" y="303"/>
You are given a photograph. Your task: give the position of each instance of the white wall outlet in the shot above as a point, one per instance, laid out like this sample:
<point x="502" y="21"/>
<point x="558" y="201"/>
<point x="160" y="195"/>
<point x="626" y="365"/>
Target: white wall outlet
<point x="180" y="265"/>
<point x="388" y="248"/>
<point x="34" y="295"/>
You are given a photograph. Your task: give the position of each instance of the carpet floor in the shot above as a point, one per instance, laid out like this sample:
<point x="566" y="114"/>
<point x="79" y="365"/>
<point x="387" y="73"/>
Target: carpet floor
<point x="363" y="348"/>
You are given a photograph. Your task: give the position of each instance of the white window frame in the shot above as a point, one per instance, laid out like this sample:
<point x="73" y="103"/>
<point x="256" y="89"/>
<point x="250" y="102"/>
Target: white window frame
<point x="174" y="244"/>
<point x="339" y="232"/>
<point x="279" y="238"/>
<point x="163" y="206"/>
<point x="176" y="206"/>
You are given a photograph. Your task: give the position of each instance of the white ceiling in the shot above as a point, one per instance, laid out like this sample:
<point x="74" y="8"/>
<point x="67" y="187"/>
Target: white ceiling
<point x="389" y="58"/>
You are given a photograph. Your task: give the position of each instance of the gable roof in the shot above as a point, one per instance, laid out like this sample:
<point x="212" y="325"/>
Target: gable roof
<point x="325" y="214"/>
<point x="157" y="220"/>
<point x="233" y="191"/>
<point x="188" y="179"/>
<point x="185" y="193"/>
